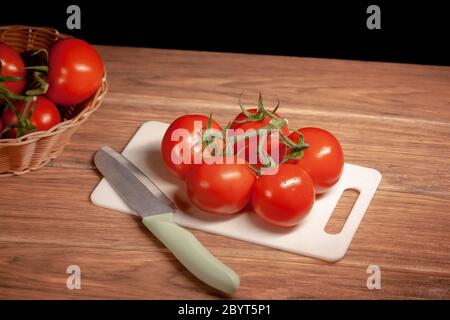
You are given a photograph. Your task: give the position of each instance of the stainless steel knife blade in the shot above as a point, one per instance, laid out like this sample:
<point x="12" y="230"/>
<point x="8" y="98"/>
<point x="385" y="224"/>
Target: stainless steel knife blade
<point x="138" y="191"/>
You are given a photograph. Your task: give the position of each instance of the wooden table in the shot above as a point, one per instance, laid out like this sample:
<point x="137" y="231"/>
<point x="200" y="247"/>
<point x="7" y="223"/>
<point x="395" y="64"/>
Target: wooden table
<point x="392" y="117"/>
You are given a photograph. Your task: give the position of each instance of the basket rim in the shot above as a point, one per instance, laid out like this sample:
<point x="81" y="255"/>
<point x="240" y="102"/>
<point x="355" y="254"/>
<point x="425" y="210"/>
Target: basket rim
<point x="23" y="26"/>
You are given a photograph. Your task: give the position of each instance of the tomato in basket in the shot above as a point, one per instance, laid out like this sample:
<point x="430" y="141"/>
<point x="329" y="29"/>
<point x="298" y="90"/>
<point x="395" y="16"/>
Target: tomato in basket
<point x="75" y="72"/>
<point x="12" y="71"/>
<point x="39" y="114"/>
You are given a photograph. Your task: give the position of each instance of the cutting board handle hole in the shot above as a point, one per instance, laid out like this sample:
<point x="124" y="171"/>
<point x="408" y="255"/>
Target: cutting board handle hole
<point x="341" y="211"/>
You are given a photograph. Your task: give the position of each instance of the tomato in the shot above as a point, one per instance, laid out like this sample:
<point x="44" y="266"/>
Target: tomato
<point x="8" y="119"/>
<point x="243" y="150"/>
<point x="45" y="115"/>
<point x="323" y="159"/>
<point x="173" y="147"/>
<point x="283" y="198"/>
<point x="75" y="72"/>
<point x="220" y="188"/>
<point x="1" y="128"/>
<point x="11" y="66"/>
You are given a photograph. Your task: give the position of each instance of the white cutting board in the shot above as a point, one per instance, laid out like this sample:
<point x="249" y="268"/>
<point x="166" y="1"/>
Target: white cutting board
<point x="308" y="238"/>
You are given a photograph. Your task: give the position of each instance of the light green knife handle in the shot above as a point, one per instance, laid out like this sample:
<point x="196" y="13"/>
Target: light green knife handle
<point x="191" y="253"/>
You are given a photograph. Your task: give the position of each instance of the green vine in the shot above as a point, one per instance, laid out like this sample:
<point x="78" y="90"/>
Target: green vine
<point x="39" y="87"/>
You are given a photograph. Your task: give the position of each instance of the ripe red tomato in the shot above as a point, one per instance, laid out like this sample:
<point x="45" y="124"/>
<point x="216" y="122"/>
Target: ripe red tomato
<point x="75" y="72"/>
<point x="323" y="159"/>
<point x="220" y="188"/>
<point x="243" y="150"/>
<point x="9" y="119"/>
<point x="45" y="115"/>
<point x="1" y="128"/>
<point x="173" y="146"/>
<point x="285" y="197"/>
<point x="11" y="65"/>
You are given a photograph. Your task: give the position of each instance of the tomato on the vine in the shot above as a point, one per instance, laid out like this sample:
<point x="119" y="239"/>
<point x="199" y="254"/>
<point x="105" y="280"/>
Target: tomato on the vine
<point x="75" y="71"/>
<point x="220" y="187"/>
<point x="281" y="192"/>
<point x="174" y="143"/>
<point x="283" y="198"/>
<point x="12" y="70"/>
<point x="323" y="159"/>
<point x="41" y="115"/>
<point x="255" y="119"/>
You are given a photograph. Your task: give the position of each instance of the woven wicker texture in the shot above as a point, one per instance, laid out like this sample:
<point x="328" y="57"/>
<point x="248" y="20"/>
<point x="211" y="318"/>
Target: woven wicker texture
<point x="34" y="150"/>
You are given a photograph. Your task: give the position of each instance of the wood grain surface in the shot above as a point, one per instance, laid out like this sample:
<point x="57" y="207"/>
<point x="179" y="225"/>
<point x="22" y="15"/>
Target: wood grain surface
<point x="392" y="117"/>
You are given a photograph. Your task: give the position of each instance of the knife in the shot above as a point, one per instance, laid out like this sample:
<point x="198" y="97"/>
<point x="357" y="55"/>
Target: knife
<point x="156" y="210"/>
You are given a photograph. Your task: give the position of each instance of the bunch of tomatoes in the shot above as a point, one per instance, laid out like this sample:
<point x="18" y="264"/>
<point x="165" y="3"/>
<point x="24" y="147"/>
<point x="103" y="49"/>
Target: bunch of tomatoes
<point x="39" y="87"/>
<point x="310" y="162"/>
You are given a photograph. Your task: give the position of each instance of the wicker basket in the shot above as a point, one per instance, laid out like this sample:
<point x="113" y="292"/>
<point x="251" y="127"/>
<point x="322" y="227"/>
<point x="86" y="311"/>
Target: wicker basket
<point x="34" y="150"/>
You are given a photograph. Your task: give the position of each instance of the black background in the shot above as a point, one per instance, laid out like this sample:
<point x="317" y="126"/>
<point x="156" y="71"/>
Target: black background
<point x="412" y="32"/>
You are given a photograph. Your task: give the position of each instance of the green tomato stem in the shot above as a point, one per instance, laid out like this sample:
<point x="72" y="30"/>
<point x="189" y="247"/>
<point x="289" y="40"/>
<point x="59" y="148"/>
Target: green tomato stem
<point x="38" y="68"/>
